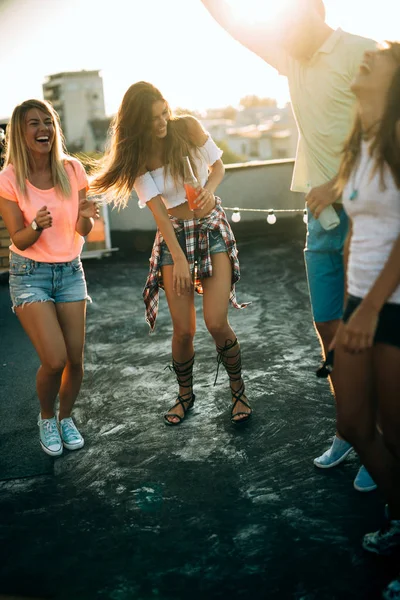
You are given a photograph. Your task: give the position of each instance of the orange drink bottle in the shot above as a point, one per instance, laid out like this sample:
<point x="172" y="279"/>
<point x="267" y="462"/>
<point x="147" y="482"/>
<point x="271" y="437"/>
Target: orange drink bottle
<point x="191" y="185"/>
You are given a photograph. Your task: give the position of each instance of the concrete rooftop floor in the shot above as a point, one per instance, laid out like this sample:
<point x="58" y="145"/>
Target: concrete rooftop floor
<point x="203" y="510"/>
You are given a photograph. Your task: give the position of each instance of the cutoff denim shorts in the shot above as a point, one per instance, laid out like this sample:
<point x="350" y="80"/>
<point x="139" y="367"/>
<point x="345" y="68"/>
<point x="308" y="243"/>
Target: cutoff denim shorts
<point x="32" y="281"/>
<point x="217" y="245"/>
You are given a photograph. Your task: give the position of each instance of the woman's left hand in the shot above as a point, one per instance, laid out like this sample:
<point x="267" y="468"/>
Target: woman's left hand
<point x="359" y="331"/>
<point x="205" y="199"/>
<point x="88" y="209"/>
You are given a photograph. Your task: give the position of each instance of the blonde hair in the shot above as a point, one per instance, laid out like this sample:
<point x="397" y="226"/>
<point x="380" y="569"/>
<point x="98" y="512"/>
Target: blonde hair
<point x="17" y="152"/>
<point x="385" y="146"/>
<point x="131" y="144"/>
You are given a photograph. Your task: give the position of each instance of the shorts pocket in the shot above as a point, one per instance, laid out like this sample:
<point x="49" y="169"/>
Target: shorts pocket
<point x="21" y="266"/>
<point x="76" y="265"/>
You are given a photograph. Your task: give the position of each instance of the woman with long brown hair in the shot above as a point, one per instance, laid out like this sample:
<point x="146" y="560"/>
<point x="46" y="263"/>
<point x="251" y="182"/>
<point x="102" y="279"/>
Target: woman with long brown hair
<point x="194" y="249"/>
<point x="367" y="345"/>
<point x="44" y="206"/>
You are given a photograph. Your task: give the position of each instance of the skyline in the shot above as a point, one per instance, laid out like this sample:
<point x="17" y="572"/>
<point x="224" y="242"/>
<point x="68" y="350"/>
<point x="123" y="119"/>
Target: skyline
<point x="196" y="67"/>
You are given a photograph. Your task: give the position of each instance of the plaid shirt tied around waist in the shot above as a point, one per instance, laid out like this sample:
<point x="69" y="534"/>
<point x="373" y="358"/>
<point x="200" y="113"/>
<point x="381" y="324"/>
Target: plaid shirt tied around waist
<point x="198" y="256"/>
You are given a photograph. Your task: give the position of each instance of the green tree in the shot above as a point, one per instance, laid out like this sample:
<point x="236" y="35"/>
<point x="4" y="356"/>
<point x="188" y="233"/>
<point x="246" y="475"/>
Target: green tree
<point x="229" y="157"/>
<point x="185" y="111"/>
<point x="255" y="102"/>
<point x="229" y="113"/>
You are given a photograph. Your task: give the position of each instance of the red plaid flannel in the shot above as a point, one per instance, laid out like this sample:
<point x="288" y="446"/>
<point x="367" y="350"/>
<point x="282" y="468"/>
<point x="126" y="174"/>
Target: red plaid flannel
<point x="198" y="250"/>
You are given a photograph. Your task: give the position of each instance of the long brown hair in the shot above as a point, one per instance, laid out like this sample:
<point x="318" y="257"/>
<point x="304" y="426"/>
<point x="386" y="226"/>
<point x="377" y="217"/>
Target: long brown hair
<point x="131" y="144"/>
<point x="17" y="152"/>
<point x="385" y="146"/>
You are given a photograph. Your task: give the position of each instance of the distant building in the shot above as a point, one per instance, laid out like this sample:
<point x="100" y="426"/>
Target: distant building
<point x="217" y="128"/>
<point x="258" y="133"/>
<point x="78" y="98"/>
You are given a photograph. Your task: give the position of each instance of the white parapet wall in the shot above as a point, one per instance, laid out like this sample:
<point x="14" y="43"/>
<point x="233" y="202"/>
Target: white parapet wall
<point x="263" y="185"/>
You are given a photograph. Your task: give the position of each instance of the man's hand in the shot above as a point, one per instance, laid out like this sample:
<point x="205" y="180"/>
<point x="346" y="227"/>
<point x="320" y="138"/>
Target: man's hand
<point x="320" y="197"/>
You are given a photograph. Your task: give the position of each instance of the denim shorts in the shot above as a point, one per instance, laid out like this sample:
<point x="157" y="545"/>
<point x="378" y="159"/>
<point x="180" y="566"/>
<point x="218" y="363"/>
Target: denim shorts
<point x="388" y="328"/>
<point x="32" y="281"/>
<point x="323" y="257"/>
<point x="217" y="245"/>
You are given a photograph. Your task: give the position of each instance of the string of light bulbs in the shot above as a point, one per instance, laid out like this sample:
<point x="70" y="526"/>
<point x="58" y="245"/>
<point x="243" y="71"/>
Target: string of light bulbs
<point x="271" y="216"/>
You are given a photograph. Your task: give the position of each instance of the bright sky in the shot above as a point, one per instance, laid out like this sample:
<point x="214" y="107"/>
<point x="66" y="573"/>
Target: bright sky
<point x="174" y="44"/>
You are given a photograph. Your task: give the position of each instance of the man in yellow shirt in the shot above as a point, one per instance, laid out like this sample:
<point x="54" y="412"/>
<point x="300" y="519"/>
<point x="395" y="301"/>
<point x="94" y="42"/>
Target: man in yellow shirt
<point x="320" y="64"/>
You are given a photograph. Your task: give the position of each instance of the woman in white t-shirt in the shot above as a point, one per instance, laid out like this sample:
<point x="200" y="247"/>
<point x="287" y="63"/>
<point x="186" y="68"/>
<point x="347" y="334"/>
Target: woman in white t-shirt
<point x="367" y="345"/>
<point x="194" y="248"/>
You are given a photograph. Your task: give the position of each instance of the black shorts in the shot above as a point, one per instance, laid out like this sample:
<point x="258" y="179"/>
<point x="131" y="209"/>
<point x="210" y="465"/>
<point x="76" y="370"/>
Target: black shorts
<point x="388" y="329"/>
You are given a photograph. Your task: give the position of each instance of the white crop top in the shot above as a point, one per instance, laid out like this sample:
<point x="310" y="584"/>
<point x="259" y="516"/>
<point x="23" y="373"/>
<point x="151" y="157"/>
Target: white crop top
<point x="375" y="215"/>
<point x="159" y="182"/>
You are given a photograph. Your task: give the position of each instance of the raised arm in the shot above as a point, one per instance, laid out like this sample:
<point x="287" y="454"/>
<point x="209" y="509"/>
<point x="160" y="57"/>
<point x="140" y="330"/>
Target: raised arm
<point x="260" y="39"/>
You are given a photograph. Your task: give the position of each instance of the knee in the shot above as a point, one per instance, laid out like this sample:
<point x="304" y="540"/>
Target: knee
<point x="217" y="328"/>
<point x="184" y="335"/>
<point x="54" y="364"/>
<point x="75" y="364"/>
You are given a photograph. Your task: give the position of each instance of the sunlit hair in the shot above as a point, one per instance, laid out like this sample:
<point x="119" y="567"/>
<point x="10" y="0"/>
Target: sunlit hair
<point x="132" y="144"/>
<point x="385" y="146"/>
<point x="18" y="154"/>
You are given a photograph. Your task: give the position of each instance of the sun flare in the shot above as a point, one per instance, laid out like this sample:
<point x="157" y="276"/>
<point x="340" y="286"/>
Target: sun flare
<point x="256" y="11"/>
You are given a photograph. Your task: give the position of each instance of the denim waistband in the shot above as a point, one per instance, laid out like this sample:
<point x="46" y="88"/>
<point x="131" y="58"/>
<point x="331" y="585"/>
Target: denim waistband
<point x="18" y="257"/>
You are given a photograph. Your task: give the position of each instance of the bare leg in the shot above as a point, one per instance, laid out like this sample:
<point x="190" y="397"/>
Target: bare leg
<point x="184" y="323"/>
<point x="71" y="316"/>
<point x="356" y="417"/>
<point x="215" y="308"/>
<point x="387" y="382"/>
<point x="39" y="320"/>
<point x="326" y="332"/>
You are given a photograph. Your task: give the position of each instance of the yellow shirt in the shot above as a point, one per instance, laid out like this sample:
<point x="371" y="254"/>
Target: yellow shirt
<point x="323" y="103"/>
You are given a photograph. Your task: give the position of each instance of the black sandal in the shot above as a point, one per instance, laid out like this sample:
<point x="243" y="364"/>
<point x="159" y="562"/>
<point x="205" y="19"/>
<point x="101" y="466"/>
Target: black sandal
<point x="184" y="376"/>
<point x="234" y="370"/>
<point x="239" y="398"/>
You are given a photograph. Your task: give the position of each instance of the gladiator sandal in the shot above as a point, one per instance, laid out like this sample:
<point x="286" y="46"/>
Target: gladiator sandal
<point x="229" y="355"/>
<point x="184" y="377"/>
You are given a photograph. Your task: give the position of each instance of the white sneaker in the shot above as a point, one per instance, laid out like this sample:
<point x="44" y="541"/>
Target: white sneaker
<point x="363" y="481"/>
<point x="334" y="455"/>
<point x="71" y="438"/>
<point x="49" y="436"/>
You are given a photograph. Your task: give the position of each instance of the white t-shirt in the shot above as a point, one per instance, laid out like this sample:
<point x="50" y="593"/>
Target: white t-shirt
<point x="160" y="181"/>
<point x="375" y="215"/>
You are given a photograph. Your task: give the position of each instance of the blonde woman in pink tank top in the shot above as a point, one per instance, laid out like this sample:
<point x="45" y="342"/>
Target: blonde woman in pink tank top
<point x="44" y="206"/>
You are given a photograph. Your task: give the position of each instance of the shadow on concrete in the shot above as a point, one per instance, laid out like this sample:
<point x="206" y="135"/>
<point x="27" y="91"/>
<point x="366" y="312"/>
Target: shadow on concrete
<point x="207" y="509"/>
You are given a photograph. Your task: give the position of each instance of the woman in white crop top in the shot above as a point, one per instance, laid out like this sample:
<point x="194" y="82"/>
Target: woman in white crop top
<point x="194" y="250"/>
<point x="367" y="345"/>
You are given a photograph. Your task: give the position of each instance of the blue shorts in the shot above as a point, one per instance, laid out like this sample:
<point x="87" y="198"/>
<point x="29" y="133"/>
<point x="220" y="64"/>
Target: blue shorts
<point x="217" y="245"/>
<point x="323" y="257"/>
<point x="32" y="281"/>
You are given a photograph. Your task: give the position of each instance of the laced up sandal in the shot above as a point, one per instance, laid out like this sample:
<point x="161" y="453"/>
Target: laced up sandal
<point x="184" y="377"/>
<point x="230" y="356"/>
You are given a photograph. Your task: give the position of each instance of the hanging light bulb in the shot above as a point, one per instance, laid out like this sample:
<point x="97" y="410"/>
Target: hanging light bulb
<point x="305" y="216"/>
<point x="271" y="219"/>
<point x="236" y="216"/>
